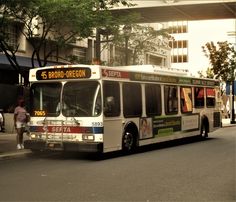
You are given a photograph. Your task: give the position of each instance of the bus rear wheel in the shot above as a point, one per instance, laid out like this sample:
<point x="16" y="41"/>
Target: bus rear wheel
<point x="204" y="131"/>
<point x="128" y="142"/>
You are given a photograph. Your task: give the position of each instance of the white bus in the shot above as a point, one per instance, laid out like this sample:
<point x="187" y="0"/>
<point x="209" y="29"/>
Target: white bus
<point x="91" y="108"/>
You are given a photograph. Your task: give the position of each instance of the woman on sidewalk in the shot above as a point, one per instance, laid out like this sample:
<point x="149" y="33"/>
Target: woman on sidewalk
<point x="21" y="117"/>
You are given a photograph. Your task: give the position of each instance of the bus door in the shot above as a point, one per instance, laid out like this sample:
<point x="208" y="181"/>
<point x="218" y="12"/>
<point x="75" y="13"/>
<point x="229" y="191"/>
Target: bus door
<point x="112" y="120"/>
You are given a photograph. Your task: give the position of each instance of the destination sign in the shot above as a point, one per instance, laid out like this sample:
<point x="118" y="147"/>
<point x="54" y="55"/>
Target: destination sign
<point x="63" y="73"/>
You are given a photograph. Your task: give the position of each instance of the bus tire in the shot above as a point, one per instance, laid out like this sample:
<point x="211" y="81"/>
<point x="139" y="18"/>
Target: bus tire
<point x="128" y="141"/>
<point x="204" y="129"/>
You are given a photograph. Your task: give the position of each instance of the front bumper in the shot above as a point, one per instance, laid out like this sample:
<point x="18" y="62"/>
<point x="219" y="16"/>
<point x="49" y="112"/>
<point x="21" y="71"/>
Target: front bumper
<point x="92" y="147"/>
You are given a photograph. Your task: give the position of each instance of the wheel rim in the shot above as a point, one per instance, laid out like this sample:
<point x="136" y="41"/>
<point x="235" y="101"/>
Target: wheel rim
<point x="128" y="141"/>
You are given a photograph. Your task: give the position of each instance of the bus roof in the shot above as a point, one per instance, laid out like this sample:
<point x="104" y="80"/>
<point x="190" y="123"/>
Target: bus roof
<point x="136" y="68"/>
<point x="155" y="69"/>
<point x="149" y="73"/>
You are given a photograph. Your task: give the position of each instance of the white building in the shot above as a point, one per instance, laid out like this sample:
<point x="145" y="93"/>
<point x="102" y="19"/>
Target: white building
<point x="191" y="35"/>
<point x="189" y="38"/>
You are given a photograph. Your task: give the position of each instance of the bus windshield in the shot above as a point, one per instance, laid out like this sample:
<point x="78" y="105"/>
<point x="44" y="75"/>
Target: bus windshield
<point x="81" y="99"/>
<point x="73" y="99"/>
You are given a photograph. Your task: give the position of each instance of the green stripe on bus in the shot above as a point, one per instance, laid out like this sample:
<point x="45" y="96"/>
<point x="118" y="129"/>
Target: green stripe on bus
<point x="165" y="132"/>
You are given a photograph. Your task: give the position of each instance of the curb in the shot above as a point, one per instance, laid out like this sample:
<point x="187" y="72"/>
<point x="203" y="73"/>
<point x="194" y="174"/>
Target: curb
<point x="227" y="126"/>
<point x="14" y="154"/>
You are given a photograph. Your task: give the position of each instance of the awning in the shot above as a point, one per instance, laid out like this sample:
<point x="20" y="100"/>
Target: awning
<point x="24" y="62"/>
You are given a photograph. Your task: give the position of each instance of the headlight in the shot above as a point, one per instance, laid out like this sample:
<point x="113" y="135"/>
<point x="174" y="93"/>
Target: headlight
<point x="32" y="136"/>
<point x="37" y="136"/>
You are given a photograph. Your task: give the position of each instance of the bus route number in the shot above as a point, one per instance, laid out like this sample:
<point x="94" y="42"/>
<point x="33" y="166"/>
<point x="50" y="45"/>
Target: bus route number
<point x="44" y="75"/>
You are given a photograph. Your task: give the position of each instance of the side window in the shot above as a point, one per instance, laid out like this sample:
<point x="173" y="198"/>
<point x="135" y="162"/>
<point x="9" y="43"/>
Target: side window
<point x="111" y="102"/>
<point x="210" y="97"/>
<point x="199" y="97"/>
<point x="153" y="99"/>
<point x="186" y="99"/>
<point x="132" y="99"/>
<point x="171" y="99"/>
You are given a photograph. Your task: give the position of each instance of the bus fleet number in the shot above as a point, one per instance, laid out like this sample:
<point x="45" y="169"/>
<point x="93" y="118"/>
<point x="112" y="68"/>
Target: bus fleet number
<point x="97" y="124"/>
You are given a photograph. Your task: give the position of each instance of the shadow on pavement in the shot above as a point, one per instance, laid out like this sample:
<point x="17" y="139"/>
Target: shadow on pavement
<point x="60" y="155"/>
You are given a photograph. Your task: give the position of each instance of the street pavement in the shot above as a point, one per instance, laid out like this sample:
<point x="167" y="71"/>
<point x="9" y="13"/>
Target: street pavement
<point x="8" y="146"/>
<point x="8" y="143"/>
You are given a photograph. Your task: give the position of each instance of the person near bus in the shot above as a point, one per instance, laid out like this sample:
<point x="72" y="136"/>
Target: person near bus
<point x="21" y="118"/>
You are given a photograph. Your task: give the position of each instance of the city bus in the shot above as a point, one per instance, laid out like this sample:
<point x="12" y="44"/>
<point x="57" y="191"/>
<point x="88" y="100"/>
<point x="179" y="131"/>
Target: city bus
<point x="92" y="108"/>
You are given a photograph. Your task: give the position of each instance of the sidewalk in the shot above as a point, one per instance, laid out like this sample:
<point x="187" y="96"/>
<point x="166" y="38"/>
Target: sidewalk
<point x="8" y="143"/>
<point x="8" y="146"/>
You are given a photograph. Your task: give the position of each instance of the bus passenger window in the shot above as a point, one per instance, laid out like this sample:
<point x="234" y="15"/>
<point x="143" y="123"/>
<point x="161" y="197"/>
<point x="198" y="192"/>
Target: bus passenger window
<point x="132" y="99"/>
<point x="111" y="101"/>
<point x="199" y="97"/>
<point x="153" y="99"/>
<point x="210" y="97"/>
<point x="171" y="100"/>
<point x="109" y="104"/>
<point x="186" y="99"/>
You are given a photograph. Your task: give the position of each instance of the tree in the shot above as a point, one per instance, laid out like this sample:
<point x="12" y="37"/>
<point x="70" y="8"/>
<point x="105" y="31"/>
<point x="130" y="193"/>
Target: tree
<point x="222" y="58"/>
<point x="146" y="39"/>
<point x="140" y="39"/>
<point x="5" y="46"/>
<point x="50" y="25"/>
<point x="207" y="74"/>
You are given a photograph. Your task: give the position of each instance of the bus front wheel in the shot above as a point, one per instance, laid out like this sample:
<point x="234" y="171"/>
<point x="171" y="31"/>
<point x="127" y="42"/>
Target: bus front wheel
<point x="128" y="142"/>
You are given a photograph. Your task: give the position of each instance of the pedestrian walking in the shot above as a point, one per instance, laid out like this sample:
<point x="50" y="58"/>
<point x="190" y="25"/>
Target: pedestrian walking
<point x="21" y="118"/>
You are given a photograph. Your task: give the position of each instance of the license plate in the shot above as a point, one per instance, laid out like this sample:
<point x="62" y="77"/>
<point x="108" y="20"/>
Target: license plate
<point x="54" y="146"/>
<point x="51" y="145"/>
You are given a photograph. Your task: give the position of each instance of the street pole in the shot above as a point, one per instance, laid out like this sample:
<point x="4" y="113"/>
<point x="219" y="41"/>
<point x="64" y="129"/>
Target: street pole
<point x="233" y="111"/>
<point x="98" y="46"/>
<point x="127" y="31"/>
<point x="233" y="33"/>
<point x="126" y="50"/>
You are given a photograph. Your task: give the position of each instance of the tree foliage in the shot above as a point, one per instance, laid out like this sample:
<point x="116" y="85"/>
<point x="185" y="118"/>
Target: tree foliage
<point x="52" y="25"/>
<point x="222" y="57"/>
<point x="49" y="25"/>
<point x="141" y="39"/>
<point x="146" y="39"/>
<point x="206" y="74"/>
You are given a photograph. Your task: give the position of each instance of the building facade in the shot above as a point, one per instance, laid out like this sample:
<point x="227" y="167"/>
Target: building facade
<point x="190" y="36"/>
<point x="80" y="51"/>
